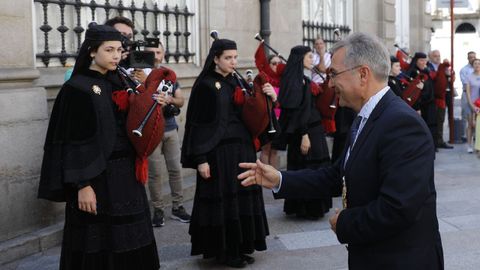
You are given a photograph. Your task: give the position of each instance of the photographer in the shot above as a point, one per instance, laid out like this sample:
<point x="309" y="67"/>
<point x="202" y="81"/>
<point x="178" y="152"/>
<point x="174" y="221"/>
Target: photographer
<point x="125" y="26"/>
<point x="156" y="47"/>
<point x="171" y="100"/>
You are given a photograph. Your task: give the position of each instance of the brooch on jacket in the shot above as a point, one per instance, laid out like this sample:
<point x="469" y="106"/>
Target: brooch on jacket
<point x="218" y="85"/>
<point x="96" y="89"/>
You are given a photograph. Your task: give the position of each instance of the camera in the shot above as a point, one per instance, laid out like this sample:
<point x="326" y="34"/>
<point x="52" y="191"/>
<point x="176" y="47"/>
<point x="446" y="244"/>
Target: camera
<point x="169" y="110"/>
<point x="137" y="58"/>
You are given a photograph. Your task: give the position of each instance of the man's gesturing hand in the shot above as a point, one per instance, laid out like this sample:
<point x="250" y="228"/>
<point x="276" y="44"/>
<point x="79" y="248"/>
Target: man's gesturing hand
<point x="260" y="174"/>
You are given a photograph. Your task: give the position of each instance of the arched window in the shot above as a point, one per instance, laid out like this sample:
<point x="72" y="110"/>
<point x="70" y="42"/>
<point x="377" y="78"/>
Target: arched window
<point x="465" y="28"/>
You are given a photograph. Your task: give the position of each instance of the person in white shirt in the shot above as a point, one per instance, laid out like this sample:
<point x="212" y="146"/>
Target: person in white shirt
<point x="465" y="72"/>
<point x="321" y="60"/>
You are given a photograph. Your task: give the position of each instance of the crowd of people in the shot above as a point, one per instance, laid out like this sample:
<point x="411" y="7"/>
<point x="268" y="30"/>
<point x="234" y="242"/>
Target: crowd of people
<point x="385" y="113"/>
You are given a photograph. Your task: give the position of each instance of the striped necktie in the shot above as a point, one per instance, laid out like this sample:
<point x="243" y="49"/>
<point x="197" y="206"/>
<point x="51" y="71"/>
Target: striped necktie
<point x="354" y="131"/>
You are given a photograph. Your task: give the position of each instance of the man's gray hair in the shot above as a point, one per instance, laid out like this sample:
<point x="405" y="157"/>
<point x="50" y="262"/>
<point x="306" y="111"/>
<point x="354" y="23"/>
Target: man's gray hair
<point x="365" y="49"/>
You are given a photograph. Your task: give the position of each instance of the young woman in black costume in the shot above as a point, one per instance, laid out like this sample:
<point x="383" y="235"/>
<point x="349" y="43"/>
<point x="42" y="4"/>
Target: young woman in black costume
<point x="228" y="220"/>
<point x="302" y="129"/>
<point x="89" y="164"/>
<point x="426" y="102"/>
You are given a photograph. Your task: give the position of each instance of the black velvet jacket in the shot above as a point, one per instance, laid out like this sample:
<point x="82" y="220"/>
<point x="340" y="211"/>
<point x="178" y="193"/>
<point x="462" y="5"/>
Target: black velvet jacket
<point x="211" y="117"/>
<point x="80" y="136"/>
<point x="395" y="85"/>
<point x="298" y="119"/>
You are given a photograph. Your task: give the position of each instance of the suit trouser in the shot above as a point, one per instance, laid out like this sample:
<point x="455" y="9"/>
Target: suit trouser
<point x="170" y="148"/>
<point x="440" y="122"/>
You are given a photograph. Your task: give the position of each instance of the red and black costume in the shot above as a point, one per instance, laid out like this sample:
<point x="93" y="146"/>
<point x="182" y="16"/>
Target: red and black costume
<point x="87" y="144"/>
<point x="228" y="220"/>
<point x="300" y="117"/>
<point x="442" y="88"/>
<point x="426" y="102"/>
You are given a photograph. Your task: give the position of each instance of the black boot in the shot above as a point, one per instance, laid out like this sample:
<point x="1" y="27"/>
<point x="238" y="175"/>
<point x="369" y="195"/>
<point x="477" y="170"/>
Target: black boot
<point x="247" y="259"/>
<point x="235" y="262"/>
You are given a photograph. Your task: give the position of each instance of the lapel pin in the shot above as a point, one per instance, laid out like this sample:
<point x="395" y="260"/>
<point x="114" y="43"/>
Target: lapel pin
<point x="96" y="89"/>
<point x="218" y="85"/>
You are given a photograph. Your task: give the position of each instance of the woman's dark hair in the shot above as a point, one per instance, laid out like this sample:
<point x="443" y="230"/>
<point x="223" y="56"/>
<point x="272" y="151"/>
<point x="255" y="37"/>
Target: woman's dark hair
<point x="218" y="53"/>
<point x="84" y="60"/>
<point x="270" y="57"/>
<point x="119" y="19"/>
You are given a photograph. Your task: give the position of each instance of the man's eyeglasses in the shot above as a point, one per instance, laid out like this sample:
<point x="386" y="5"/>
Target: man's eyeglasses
<point x="274" y="63"/>
<point x="332" y="74"/>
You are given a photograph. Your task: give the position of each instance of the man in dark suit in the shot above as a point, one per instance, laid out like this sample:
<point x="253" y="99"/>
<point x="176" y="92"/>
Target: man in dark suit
<point x="385" y="174"/>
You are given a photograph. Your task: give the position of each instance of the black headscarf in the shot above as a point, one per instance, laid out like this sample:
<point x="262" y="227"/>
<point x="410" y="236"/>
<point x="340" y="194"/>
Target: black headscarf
<point x="218" y="46"/>
<point x="95" y="35"/>
<point x="205" y="122"/>
<point x="393" y="59"/>
<point x="291" y="83"/>
<point x="413" y="63"/>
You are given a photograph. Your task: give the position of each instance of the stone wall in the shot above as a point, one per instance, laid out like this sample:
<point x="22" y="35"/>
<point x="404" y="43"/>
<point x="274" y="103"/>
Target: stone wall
<point x="420" y="24"/>
<point x="23" y="123"/>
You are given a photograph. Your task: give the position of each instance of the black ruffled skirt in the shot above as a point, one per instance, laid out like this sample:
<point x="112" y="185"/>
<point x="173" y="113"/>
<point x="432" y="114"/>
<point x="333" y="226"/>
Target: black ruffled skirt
<point x="227" y="218"/>
<point x="317" y="157"/>
<point x="120" y="236"/>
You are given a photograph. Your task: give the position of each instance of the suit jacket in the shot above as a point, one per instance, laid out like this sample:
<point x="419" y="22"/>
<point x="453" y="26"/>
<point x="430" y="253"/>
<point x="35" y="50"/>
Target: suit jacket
<point x="390" y="221"/>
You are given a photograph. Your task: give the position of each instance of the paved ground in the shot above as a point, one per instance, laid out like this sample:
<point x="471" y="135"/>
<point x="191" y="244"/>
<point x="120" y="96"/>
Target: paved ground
<point x="301" y="244"/>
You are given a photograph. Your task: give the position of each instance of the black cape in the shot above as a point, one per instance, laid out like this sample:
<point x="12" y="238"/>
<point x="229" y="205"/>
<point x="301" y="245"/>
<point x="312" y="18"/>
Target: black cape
<point x="80" y="136"/>
<point x="207" y="119"/>
<point x="396" y="85"/>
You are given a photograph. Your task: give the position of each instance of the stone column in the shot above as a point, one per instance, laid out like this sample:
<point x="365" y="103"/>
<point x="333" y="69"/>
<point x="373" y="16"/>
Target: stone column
<point x="23" y="122"/>
<point x="265" y="21"/>
<point x="389" y="31"/>
<point x="376" y="17"/>
<point x="420" y="24"/>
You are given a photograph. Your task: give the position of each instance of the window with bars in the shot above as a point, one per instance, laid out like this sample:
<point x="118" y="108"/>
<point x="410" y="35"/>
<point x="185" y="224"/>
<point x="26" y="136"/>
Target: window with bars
<point x="61" y="24"/>
<point x="322" y="17"/>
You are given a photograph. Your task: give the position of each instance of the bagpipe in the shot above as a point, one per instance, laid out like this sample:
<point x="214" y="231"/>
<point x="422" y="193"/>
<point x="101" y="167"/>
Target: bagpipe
<point x="262" y="41"/>
<point x="325" y="97"/>
<point x="131" y="85"/>
<point x="412" y="92"/>
<point x="261" y="62"/>
<point x="145" y="122"/>
<point x="256" y="106"/>
<point x="403" y="57"/>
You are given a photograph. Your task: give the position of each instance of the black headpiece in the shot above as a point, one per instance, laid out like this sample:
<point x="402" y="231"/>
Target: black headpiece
<point x="221" y="45"/>
<point x="300" y="50"/>
<point x="102" y="33"/>
<point x="95" y="35"/>
<point x="291" y="83"/>
<point x="218" y="46"/>
<point x="393" y="59"/>
<point x="416" y="56"/>
<point x="420" y="55"/>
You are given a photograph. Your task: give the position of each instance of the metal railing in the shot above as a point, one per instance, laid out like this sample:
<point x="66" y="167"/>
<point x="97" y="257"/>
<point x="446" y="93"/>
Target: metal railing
<point x="170" y="24"/>
<point x="313" y="30"/>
